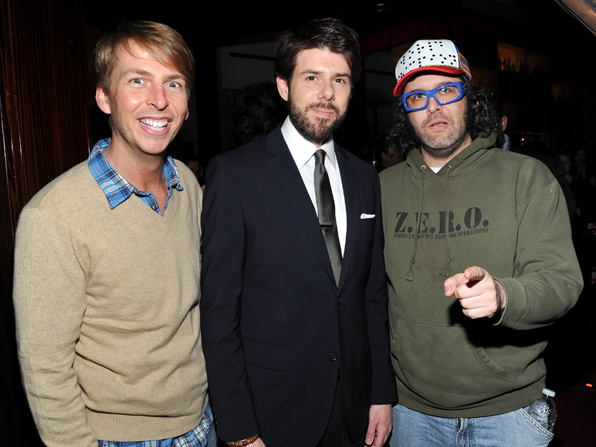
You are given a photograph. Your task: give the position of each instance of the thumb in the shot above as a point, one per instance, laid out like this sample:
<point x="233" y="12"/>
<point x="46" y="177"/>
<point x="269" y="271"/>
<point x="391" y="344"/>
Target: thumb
<point x="370" y="435"/>
<point x="474" y="275"/>
<point x="450" y="285"/>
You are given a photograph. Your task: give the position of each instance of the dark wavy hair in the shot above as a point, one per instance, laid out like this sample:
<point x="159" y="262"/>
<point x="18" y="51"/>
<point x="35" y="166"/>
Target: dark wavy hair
<point x="329" y="33"/>
<point x="482" y="117"/>
<point x="258" y="110"/>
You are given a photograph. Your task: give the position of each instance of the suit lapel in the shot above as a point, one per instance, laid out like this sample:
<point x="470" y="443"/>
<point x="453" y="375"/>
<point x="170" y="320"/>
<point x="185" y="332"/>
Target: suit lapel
<point x="349" y="179"/>
<point x="284" y="169"/>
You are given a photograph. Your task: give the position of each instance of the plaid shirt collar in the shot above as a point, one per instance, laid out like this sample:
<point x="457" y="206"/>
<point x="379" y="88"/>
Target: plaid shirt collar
<point x="114" y="186"/>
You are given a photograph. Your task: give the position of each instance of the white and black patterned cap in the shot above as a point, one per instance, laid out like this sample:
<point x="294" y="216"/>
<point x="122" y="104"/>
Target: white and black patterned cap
<point x="429" y="55"/>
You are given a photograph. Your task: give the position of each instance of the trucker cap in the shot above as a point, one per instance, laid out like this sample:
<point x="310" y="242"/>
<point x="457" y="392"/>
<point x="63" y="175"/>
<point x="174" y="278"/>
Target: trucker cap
<point x="429" y="55"/>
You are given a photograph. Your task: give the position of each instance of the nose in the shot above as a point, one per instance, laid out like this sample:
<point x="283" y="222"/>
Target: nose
<point x="433" y="105"/>
<point x="327" y="91"/>
<point x="157" y="97"/>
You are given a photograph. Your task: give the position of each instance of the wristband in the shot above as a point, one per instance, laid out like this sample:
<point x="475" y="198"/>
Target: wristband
<point x="244" y="442"/>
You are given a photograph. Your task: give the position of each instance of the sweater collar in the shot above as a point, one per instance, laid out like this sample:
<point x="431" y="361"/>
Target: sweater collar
<point x="114" y="186"/>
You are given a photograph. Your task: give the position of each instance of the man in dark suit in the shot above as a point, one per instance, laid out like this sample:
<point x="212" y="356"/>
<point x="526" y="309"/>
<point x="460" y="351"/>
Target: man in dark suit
<point x="294" y="296"/>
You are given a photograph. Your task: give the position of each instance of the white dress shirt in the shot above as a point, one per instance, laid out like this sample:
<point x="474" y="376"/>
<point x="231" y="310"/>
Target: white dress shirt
<point x="303" y="152"/>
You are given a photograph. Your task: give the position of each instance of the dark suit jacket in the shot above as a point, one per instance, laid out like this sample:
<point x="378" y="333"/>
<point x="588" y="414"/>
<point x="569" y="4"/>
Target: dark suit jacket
<point x="276" y="329"/>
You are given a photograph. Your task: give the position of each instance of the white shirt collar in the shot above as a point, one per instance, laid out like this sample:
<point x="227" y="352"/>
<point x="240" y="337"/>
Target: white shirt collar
<point x="302" y="149"/>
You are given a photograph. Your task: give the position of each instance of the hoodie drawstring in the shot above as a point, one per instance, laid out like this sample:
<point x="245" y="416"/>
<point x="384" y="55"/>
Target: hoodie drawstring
<point x="445" y="271"/>
<point x="410" y="272"/>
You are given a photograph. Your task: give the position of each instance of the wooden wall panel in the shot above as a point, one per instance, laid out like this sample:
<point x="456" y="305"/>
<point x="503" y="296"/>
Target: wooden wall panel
<point x="44" y="129"/>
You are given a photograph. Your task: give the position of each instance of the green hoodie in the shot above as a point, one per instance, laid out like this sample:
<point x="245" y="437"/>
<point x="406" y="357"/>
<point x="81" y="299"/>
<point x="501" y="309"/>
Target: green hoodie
<point x="490" y="208"/>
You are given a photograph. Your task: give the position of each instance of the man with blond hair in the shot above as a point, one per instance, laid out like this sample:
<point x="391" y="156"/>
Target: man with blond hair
<point x="107" y="266"/>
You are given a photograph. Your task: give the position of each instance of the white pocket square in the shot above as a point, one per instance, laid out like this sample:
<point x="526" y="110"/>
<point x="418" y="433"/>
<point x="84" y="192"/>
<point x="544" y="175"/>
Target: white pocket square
<point x="367" y="216"/>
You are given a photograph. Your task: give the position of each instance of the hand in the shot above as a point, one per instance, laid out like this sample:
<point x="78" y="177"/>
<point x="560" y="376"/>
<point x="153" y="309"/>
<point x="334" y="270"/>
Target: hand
<point x="478" y="293"/>
<point x="379" y="425"/>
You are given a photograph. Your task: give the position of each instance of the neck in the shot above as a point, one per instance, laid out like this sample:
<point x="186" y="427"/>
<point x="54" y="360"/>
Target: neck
<point x="144" y="171"/>
<point x="434" y="162"/>
<point x="440" y="159"/>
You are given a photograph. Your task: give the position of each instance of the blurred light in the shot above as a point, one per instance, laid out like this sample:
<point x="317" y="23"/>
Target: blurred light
<point x="589" y="385"/>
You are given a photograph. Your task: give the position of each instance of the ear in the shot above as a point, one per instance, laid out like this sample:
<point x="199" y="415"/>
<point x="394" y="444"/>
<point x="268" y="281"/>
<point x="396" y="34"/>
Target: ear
<point x="504" y="123"/>
<point x="102" y="99"/>
<point x="282" y="88"/>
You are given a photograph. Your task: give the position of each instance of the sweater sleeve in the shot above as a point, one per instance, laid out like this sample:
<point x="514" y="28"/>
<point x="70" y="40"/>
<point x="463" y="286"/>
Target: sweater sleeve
<point x="547" y="279"/>
<point x="49" y="301"/>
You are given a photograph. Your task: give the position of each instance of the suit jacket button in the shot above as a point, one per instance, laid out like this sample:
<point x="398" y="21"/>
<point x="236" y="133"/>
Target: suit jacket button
<point x="339" y="301"/>
<point x="333" y="356"/>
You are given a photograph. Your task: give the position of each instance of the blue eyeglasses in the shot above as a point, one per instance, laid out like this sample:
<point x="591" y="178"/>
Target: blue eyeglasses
<point x="444" y="94"/>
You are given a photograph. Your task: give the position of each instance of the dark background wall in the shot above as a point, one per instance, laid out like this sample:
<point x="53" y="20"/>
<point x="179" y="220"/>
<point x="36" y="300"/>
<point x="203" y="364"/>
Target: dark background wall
<point x="44" y="123"/>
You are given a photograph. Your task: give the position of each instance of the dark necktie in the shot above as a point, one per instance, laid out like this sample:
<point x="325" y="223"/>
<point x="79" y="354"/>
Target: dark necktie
<point x="326" y="208"/>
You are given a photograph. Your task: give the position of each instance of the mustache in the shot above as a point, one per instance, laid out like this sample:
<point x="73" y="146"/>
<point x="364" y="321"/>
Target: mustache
<point x="436" y="116"/>
<point x="323" y="105"/>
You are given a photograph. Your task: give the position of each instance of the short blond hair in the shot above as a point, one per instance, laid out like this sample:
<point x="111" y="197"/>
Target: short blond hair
<point x="162" y="42"/>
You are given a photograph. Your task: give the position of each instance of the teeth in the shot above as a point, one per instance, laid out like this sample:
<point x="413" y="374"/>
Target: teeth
<point x="155" y="124"/>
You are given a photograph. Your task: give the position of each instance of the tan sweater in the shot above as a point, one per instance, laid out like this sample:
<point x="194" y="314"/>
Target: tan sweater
<point x="107" y="313"/>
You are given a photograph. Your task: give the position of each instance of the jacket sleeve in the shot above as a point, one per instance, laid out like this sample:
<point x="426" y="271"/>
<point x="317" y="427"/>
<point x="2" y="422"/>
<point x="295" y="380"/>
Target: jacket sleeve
<point x="547" y="279"/>
<point x="383" y="389"/>
<point x="221" y="298"/>
<point x="49" y="301"/>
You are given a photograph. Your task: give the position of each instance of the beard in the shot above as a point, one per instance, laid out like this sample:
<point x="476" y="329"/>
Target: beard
<point x="317" y="130"/>
<point x="443" y="146"/>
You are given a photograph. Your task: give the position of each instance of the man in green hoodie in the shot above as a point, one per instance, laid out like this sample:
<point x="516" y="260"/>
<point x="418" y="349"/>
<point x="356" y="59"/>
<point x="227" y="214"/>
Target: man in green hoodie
<point x="479" y="259"/>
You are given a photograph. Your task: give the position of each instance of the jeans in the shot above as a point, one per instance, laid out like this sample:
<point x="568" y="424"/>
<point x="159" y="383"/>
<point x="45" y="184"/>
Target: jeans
<point x="514" y="429"/>
<point x="212" y="437"/>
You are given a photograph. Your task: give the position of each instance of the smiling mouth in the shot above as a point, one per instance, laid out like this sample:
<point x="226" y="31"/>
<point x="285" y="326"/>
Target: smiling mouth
<point x="155" y="124"/>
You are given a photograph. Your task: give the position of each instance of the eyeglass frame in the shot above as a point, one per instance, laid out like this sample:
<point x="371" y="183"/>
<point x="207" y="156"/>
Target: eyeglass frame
<point x="432" y="94"/>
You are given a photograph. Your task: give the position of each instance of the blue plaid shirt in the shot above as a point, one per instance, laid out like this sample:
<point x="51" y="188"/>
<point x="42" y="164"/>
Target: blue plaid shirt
<point x="197" y="437"/>
<point x="117" y="189"/>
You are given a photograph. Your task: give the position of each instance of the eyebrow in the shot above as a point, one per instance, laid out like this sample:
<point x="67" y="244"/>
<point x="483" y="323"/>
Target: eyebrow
<point x="440" y="84"/>
<point x="141" y="72"/>
<point x="316" y="72"/>
<point x="135" y="71"/>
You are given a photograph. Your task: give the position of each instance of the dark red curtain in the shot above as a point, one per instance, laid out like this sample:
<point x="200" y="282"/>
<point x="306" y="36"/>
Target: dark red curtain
<point x="44" y="124"/>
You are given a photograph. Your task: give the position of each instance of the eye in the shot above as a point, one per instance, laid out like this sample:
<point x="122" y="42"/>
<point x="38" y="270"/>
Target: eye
<point x="137" y="81"/>
<point x="447" y="90"/>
